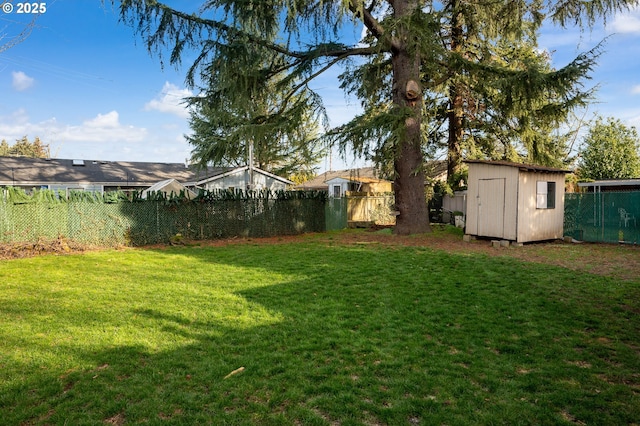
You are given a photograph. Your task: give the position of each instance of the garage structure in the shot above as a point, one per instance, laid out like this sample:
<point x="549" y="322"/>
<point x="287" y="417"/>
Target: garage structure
<point x="515" y="202"/>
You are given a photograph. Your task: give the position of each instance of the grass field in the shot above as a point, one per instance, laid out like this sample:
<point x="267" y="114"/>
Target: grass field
<point x="315" y="330"/>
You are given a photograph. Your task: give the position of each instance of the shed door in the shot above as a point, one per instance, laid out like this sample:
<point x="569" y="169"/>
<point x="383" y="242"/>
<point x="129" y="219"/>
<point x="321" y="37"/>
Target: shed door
<point x="491" y="207"/>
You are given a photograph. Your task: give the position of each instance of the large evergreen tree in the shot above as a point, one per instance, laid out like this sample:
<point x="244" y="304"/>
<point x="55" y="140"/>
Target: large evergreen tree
<point x="278" y="128"/>
<point x="502" y="98"/>
<point x="303" y="38"/>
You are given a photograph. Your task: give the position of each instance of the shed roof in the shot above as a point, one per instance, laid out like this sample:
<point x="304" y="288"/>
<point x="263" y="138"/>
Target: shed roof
<point x="521" y="166"/>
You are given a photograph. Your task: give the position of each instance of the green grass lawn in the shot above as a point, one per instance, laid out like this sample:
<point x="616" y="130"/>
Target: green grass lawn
<point x="327" y="334"/>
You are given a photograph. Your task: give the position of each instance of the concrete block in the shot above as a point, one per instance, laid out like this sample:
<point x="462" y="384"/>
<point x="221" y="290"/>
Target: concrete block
<point x="504" y="243"/>
<point x="466" y="238"/>
<point x="495" y="243"/>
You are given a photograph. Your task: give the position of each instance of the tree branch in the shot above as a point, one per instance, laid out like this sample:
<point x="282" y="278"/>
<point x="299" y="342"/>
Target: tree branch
<point x="364" y="13"/>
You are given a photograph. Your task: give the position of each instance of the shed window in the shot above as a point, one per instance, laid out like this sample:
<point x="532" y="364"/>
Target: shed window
<point x="337" y="191"/>
<point x="546" y="195"/>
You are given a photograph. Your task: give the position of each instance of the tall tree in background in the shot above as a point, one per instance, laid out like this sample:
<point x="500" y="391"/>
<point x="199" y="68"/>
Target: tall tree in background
<point x="24" y="148"/>
<point x="302" y="38"/>
<point x="281" y="134"/>
<point x="610" y="150"/>
<point x="503" y="100"/>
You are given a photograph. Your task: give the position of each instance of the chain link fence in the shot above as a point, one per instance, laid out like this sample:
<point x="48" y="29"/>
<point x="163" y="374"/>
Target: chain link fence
<point x="607" y="217"/>
<point x="143" y="222"/>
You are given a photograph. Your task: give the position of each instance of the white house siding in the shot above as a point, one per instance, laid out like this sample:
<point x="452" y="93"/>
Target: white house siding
<point x="76" y="187"/>
<point x="536" y="224"/>
<point x="337" y="187"/>
<point x="261" y="181"/>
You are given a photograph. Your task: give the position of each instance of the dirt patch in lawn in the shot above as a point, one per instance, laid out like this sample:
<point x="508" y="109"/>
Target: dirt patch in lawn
<point x="58" y="246"/>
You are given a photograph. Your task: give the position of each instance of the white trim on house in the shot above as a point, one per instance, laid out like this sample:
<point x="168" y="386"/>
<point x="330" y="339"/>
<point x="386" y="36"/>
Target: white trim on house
<point x="168" y="186"/>
<point x="269" y="181"/>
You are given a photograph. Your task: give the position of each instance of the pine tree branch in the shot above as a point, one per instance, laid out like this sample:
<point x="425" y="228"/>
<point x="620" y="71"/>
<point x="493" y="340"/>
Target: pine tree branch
<point x="185" y="31"/>
<point x="360" y="11"/>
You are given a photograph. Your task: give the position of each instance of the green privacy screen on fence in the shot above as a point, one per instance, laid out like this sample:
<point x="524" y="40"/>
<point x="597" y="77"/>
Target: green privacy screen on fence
<point x="336" y="213"/>
<point x="607" y="217"/>
<point x="122" y="222"/>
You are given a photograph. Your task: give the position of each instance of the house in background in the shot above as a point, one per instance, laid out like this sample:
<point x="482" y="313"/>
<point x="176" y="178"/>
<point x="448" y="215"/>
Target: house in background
<point x="104" y="176"/>
<point x="244" y="178"/>
<point x="515" y="202"/>
<point x="169" y="187"/>
<point x="340" y="186"/>
<point x="339" y="183"/>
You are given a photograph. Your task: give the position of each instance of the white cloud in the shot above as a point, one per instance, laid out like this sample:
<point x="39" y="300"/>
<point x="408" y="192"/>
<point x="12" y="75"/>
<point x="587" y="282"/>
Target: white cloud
<point x="170" y="100"/>
<point x="104" y="128"/>
<point x="635" y="90"/>
<point x="626" y="23"/>
<point x="108" y="120"/>
<point x="21" y="81"/>
<point x="101" y="137"/>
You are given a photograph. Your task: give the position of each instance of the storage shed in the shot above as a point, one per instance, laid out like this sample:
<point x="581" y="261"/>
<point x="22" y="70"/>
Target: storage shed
<point x="516" y="202"/>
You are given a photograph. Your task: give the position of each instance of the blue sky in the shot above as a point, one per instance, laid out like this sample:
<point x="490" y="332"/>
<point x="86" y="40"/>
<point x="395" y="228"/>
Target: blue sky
<point x="86" y="86"/>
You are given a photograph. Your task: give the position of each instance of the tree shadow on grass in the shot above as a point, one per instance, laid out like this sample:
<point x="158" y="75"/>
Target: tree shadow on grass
<point x="416" y="337"/>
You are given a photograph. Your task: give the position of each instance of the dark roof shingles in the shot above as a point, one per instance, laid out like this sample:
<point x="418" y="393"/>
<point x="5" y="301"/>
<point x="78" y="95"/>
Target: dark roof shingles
<point x="40" y="170"/>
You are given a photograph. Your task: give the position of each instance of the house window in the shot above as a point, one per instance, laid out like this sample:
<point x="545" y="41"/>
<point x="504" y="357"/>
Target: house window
<point x="337" y="192"/>
<point x="546" y="195"/>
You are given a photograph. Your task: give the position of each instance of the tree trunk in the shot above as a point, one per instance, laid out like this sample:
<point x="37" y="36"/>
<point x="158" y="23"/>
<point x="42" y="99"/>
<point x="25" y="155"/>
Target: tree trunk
<point x="456" y="105"/>
<point x="413" y="217"/>
<point x="456" y="131"/>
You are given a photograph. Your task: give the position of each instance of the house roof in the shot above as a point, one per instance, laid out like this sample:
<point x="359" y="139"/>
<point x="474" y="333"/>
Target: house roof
<point x="168" y="186"/>
<point x="319" y="182"/>
<point x="436" y="170"/>
<point x="40" y="171"/>
<point x="521" y="166"/>
<point x="232" y="171"/>
<point x="357" y="179"/>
